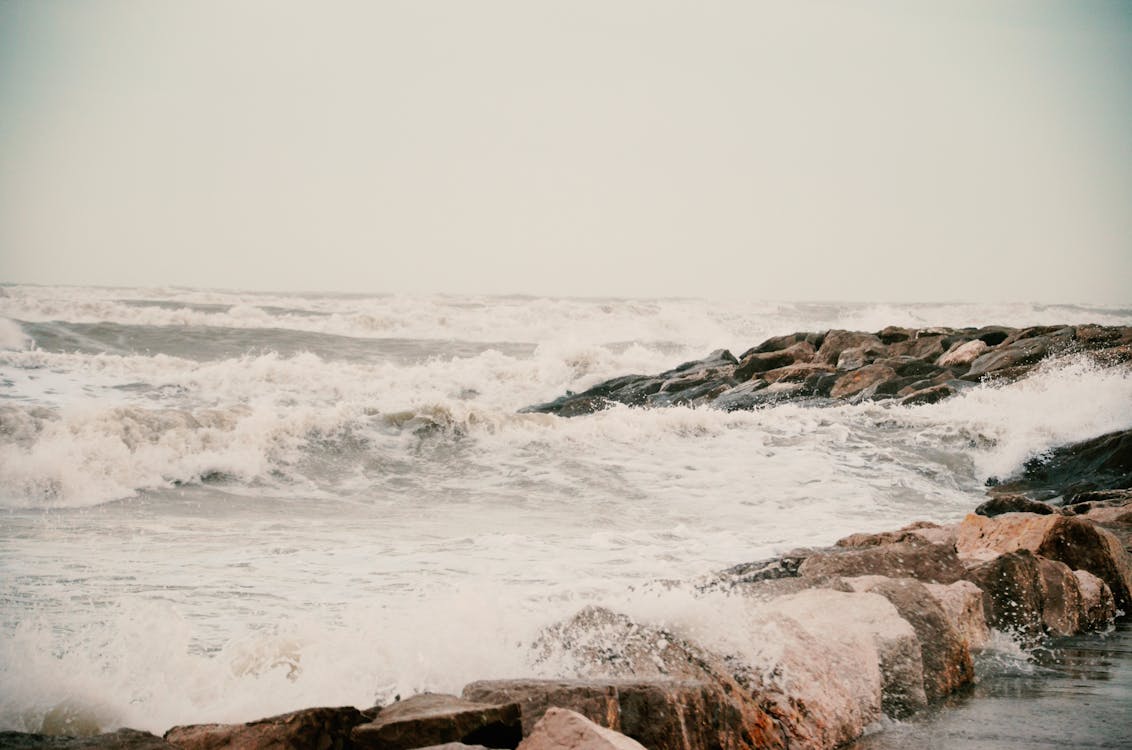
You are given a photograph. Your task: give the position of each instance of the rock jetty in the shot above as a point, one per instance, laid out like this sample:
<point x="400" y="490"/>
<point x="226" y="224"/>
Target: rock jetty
<point x="827" y="642"/>
<point x="910" y="365"/>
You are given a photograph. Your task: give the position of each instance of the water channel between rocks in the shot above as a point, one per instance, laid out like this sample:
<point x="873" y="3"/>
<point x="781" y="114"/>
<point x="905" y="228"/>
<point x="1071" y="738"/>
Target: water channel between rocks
<point x="1075" y="694"/>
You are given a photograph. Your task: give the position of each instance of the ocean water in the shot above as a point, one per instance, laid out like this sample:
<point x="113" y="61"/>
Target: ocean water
<point x="216" y="506"/>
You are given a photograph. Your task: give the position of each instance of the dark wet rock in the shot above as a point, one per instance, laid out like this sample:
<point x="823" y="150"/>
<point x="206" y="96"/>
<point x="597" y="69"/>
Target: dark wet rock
<point x="1012" y="582"/>
<point x="1001" y="504"/>
<point x="1098" y="609"/>
<point x="327" y="728"/>
<point x="123" y="739"/>
<point x="660" y="714"/>
<point x="919" y="366"/>
<point x="756" y="362"/>
<point x="432" y="719"/>
<point x="1101" y="463"/>
<point x="928" y="395"/>
<point x="1062" y="606"/>
<point x="933" y="563"/>
<point x="785" y="566"/>
<point x="946" y="659"/>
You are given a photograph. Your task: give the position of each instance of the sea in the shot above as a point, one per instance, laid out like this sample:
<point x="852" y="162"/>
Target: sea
<point x="222" y="505"/>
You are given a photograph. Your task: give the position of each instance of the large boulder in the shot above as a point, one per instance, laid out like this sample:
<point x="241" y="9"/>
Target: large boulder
<point x="433" y="719"/>
<point x="963" y="603"/>
<point x="932" y="563"/>
<point x="1062" y="603"/>
<point x="1097" y="606"/>
<point x="1013" y="587"/>
<point x="1075" y="542"/>
<point x="561" y="729"/>
<point x="944" y="653"/>
<point x="660" y="714"/>
<point x="1100" y="463"/>
<point x="327" y="728"/>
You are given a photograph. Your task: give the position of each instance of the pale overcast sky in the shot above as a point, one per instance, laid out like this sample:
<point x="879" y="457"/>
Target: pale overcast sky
<point x="884" y="151"/>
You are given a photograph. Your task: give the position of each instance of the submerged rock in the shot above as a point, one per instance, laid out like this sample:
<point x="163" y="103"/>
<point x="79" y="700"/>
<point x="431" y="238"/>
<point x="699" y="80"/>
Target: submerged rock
<point x="123" y="739"/>
<point x="1071" y="471"/>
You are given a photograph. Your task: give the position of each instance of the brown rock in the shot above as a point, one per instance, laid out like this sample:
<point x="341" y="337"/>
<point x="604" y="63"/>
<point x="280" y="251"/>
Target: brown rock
<point x="432" y="719"/>
<point x="1021" y="353"/>
<point x="932" y="563"/>
<point x="929" y="395"/>
<point x="838" y="341"/>
<point x="963" y="603"/>
<point x="1013" y="587"/>
<point x="1097" y="606"/>
<point x="561" y="729"/>
<point x="1075" y="542"/>
<point x="661" y="714"/>
<point x="123" y="739"/>
<point x="926" y="345"/>
<point x="1062" y="606"/>
<point x="323" y="728"/>
<point x="858" y="380"/>
<point x="962" y="354"/>
<point x="1003" y="504"/>
<point x="946" y="658"/>
<point x="914" y="533"/>
<point x="795" y="373"/>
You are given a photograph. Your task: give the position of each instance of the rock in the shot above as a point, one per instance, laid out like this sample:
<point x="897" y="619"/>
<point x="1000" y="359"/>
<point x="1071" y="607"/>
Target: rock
<point x="858" y="380"/>
<point x="914" y="533"/>
<point x="561" y="729"/>
<point x="1061" y="598"/>
<point x="931" y="563"/>
<point x="1075" y="542"/>
<point x="1101" y="463"/>
<point x="963" y="603"/>
<point x="796" y="373"/>
<point x="1021" y="352"/>
<point x="997" y="506"/>
<point x="756" y="362"/>
<point x="962" y="354"/>
<point x="1097" y="606"/>
<point x="859" y="356"/>
<point x="432" y="719"/>
<point x="778" y="343"/>
<point x="311" y="727"/>
<point x="1012" y="584"/>
<point x="836" y="342"/>
<point x="946" y="658"/>
<point x="454" y="746"/>
<point x="123" y="739"/>
<point x="660" y="714"/>
<point x="928" y="395"/>
<point x="598" y="644"/>
<point x="744" y="396"/>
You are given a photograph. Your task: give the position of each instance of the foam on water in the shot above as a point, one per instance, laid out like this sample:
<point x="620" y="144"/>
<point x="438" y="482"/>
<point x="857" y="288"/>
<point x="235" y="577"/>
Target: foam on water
<point x="190" y="539"/>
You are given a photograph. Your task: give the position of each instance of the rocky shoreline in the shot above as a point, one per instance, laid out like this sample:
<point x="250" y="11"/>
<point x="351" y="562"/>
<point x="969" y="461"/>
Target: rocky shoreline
<point x="912" y="366"/>
<point x="827" y="642"/>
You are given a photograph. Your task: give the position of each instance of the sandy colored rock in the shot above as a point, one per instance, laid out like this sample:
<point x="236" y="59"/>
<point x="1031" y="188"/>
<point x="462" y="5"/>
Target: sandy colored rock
<point x="963" y="604"/>
<point x="1062" y="608"/>
<point x="433" y="719"/>
<point x="931" y="563"/>
<point x="323" y="728"/>
<point x="562" y="729"/>
<point x="856" y="381"/>
<point x="1075" y="542"/>
<point x="1097" y="606"/>
<point x="962" y="354"/>
<point x="944" y="653"/>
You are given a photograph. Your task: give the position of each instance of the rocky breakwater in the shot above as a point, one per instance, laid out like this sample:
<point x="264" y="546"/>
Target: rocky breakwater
<point x="913" y="366"/>
<point x="806" y="650"/>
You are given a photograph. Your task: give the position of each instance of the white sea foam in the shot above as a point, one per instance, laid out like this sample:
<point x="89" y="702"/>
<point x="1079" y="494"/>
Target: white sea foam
<point x="191" y="539"/>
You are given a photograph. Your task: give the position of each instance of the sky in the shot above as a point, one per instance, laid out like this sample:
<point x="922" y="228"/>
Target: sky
<point x="869" y="151"/>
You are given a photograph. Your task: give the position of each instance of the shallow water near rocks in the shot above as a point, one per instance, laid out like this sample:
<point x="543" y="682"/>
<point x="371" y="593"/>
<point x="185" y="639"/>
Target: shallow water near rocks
<point x="1075" y="693"/>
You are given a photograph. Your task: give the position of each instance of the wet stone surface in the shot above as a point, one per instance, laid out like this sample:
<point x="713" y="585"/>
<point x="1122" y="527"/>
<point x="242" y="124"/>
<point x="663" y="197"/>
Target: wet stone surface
<point x="1075" y="694"/>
